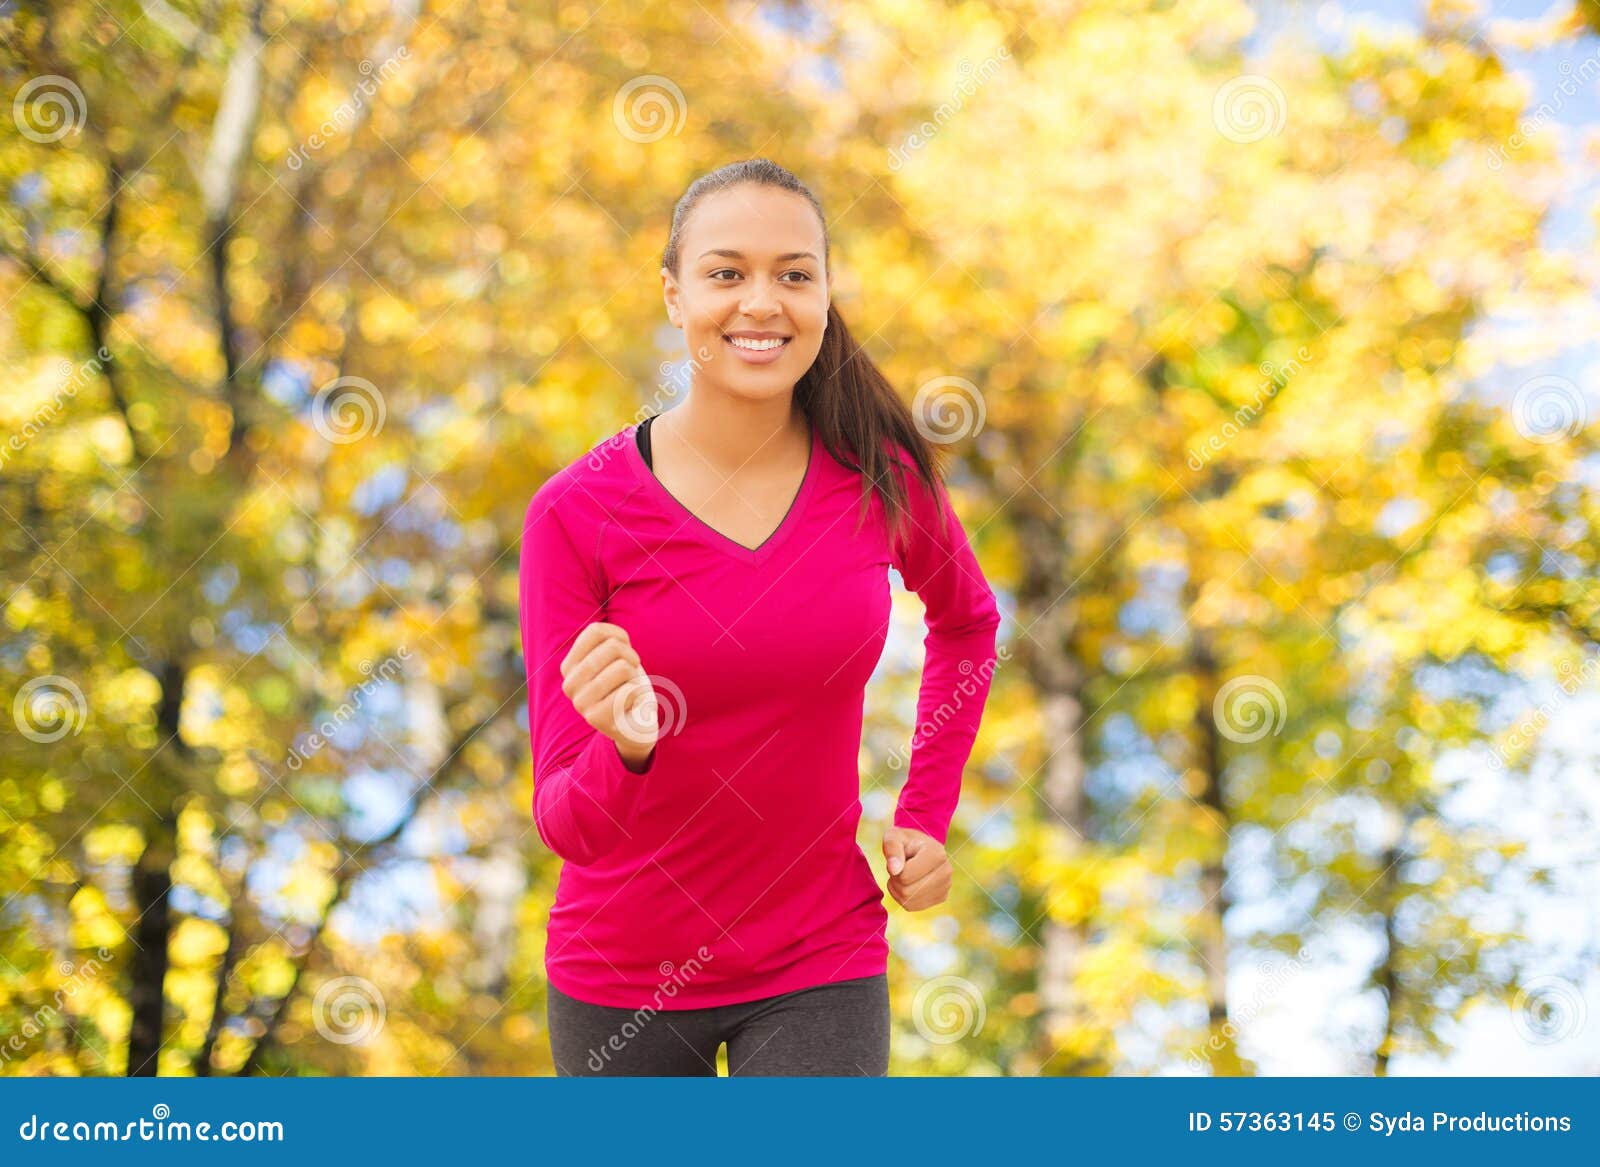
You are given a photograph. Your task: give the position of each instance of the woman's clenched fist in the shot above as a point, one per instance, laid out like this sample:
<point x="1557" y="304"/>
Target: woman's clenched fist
<point x="603" y="678"/>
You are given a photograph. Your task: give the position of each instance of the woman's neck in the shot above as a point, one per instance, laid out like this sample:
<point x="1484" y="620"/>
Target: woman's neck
<point x="737" y="435"/>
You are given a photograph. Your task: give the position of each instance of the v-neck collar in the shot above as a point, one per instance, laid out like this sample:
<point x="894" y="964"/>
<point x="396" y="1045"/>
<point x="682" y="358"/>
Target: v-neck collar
<point x="710" y="535"/>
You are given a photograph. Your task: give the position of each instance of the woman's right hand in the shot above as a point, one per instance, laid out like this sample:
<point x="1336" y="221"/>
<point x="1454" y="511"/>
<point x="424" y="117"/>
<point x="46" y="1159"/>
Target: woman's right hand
<point x="606" y="684"/>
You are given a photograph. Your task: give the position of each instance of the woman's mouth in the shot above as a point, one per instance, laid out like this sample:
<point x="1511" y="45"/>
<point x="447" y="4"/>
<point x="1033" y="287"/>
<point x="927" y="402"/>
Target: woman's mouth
<point x="757" y="352"/>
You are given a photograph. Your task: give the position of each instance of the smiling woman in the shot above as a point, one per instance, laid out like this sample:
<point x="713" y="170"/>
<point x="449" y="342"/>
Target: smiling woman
<point x="699" y="621"/>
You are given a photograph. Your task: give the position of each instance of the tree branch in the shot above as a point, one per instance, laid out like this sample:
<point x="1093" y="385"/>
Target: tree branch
<point x="345" y="878"/>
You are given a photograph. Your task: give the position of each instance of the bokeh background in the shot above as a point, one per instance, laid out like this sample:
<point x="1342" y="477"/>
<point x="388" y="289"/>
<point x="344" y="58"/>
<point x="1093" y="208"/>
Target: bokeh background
<point x="1261" y="338"/>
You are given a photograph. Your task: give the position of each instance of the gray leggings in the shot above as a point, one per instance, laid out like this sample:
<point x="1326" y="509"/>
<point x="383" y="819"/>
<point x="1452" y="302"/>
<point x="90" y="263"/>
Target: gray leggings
<point x="838" y="1029"/>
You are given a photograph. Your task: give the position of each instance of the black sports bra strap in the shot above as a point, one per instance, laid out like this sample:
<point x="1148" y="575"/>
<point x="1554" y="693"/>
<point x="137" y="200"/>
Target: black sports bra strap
<point x="643" y="436"/>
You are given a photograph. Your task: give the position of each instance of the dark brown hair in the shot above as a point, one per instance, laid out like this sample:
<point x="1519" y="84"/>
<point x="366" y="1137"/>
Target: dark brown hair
<point x="858" y="415"/>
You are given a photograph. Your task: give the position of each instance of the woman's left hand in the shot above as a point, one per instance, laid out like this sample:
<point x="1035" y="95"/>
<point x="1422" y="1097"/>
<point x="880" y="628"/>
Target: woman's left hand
<point x="919" y="870"/>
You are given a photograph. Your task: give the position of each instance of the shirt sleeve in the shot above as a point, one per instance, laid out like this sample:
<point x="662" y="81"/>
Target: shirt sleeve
<point x="583" y="795"/>
<point x="935" y="560"/>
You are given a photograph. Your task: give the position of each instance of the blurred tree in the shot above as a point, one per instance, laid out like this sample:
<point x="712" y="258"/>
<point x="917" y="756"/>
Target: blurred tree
<point x="1240" y="421"/>
<point x="303" y="303"/>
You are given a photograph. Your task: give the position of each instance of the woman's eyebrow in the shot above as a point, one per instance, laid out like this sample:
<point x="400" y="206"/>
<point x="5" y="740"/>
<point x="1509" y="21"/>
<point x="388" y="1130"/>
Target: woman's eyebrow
<point x="784" y="258"/>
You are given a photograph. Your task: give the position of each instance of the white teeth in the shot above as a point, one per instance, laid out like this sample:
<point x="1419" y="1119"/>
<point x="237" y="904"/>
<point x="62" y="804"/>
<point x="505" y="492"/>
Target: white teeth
<point x="755" y="345"/>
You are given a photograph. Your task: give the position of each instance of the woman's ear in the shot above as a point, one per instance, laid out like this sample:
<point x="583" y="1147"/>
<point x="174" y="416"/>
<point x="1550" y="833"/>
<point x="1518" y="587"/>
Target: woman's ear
<point x="669" y="293"/>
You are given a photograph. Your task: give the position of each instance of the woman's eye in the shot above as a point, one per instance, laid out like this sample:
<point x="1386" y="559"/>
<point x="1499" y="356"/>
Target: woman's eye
<point x="721" y="270"/>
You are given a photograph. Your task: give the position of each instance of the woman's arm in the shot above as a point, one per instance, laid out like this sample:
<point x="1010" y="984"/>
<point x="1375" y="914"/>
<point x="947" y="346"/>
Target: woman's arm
<point x="583" y="793"/>
<point x="936" y="561"/>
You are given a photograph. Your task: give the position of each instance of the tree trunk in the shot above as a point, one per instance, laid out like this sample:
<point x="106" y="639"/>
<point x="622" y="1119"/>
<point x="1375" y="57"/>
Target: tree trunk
<point x="1221" y="1050"/>
<point x="230" y="958"/>
<point x="1387" y="974"/>
<point x="152" y="885"/>
<point x="1066" y="944"/>
<point x="1074" y="1039"/>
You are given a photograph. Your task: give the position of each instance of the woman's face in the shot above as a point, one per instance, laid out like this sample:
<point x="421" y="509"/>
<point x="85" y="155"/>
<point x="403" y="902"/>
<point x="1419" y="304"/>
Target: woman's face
<point x="750" y="262"/>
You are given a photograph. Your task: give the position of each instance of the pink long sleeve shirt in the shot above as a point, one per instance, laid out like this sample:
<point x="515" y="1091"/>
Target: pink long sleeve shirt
<point x="728" y="870"/>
